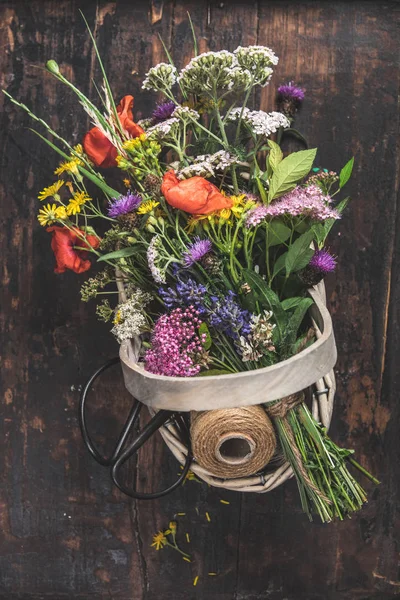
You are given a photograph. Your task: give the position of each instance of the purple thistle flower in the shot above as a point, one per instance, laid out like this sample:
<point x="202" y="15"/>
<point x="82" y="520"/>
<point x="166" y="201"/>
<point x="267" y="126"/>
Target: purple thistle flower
<point x="323" y="262"/>
<point x="123" y="205"/>
<point x="196" y="251"/>
<point x="176" y="347"/>
<point x="163" y="112"/>
<point x="290" y="93"/>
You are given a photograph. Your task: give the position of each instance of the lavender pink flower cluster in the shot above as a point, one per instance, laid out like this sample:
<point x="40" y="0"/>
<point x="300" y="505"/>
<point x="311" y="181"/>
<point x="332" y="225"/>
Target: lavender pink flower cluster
<point x="177" y="346"/>
<point x="308" y="201"/>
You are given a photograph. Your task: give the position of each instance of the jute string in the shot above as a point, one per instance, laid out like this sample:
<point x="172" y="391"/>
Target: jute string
<point x="279" y="410"/>
<point x="231" y="443"/>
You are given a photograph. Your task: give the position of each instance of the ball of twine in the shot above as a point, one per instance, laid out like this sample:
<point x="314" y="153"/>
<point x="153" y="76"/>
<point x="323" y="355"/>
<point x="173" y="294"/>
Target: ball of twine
<point x="234" y="442"/>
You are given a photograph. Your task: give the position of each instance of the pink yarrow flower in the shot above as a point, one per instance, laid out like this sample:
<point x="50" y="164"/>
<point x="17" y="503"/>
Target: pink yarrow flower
<point x="177" y="348"/>
<point x="307" y="201"/>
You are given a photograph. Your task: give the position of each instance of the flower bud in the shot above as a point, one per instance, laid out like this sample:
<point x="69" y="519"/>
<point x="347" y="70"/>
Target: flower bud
<point x="52" y="66"/>
<point x="150" y="228"/>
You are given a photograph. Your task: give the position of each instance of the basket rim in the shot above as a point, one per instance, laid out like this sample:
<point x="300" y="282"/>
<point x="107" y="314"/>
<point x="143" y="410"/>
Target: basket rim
<point x="127" y="348"/>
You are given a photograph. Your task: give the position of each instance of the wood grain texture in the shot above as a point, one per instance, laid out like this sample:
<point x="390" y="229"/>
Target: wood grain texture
<point x="65" y="532"/>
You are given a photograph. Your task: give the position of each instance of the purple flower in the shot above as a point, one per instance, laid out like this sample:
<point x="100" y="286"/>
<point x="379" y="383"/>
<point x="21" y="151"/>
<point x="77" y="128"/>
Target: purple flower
<point x="323" y="262"/>
<point x="186" y="293"/>
<point x="290" y="93"/>
<point x="176" y="347"/>
<point x="308" y="201"/>
<point x="196" y="251"/>
<point x="123" y="205"/>
<point x="227" y="316"/>
<point x="256" y="215"/>
<point x="163" y="112"/>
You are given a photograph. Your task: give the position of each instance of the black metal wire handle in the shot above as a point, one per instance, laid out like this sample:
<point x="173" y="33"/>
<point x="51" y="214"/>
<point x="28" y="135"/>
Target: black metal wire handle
<point x="119" y="456"/>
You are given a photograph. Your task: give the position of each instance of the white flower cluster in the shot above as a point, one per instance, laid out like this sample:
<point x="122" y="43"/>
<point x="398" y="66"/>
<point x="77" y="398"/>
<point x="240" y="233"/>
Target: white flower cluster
<point x="186" y="114"/>
<point x="165" y="129"/>
<point x="206" y="165"/>
<point x="260" y="122"/>
<point x="258" y="61"/>
<point x="153" y="257"/>
<point x="145" y="123"/>
<point x="129" y="318"/>
<point x="212" y="71"/>
<point x="260" y="338"/>
<point x="160" y="78"/>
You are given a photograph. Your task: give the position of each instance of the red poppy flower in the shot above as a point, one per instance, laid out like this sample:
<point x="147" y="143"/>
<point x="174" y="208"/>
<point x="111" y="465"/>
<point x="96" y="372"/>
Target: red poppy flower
<point x="99" y="148"/>
<point x="195" y="195"/>
<point x="64" y="244"/>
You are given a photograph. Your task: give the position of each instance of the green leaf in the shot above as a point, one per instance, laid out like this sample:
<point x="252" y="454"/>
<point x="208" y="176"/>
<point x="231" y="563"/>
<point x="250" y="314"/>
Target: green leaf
<point x="275" y="155"/>
<point x="321" y="230"/>
<point x="214" y="372"/>
<point x="290" y="303"/>
<point x="96" y="180"/>
<point x="261" y="190"/>
<point x="346" y="172"/>
<point x="295" y="321"/>
<point x="203" y="329"/>
<point x="123" y="253"/>
<point x="289" y="171"/>
<point x="276" y="233"/>
<point x="279" y="264"/>
<point x="299" y="253"/>
<point x="267" y="298"/>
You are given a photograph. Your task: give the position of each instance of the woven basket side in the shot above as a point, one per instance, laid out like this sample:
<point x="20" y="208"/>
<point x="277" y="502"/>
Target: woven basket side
<point x="322" y="407"/>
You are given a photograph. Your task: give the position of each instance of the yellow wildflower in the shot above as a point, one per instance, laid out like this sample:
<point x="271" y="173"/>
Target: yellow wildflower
<point x="118" y="318"/>
<point x="146" y="207"/>
<point x="123" y="163"/>
<point x="70" y="166"/>
<point x="239" y="205"/>
<point x="48" y="214"/>
<point x="61" y="212"/>
<point x="127" y="183"/>
<point x="51" y="191"/>
<point x="134" y="143"/>
<point x="200" y="220"/>
<point x="159" y="540"/>
<point x="172" y="527"/>
<point x="74" y="206"/>
<point x="78" y="149"/>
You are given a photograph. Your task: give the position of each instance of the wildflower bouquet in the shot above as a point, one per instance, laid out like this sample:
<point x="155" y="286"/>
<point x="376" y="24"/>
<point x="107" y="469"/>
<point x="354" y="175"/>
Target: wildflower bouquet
<point x="217" y="236"/>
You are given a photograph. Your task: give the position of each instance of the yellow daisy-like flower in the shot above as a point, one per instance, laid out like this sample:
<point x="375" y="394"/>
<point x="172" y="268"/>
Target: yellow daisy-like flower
<point x="147" y="206"/>
<point x="61" y="213"/>
<point x="159" y="540"/>
<point x="200" y="220"/>
<point x="78" y="149"/>
<point x="238" y="207"/>
<point x="48" y="214"/>
<point x="70" y="166"/>
<point x="74" y="206"/>
<point x="51" y="191"/>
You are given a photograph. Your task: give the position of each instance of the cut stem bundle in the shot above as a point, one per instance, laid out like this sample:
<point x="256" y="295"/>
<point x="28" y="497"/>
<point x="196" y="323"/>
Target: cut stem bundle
<point x="325" y="484"/>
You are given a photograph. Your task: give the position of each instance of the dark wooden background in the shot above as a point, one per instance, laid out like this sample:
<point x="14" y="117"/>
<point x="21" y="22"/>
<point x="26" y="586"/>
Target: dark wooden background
<point x="66" y="533"/>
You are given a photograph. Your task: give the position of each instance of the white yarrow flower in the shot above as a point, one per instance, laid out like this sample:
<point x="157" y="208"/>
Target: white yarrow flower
<point x="259" y="121"/>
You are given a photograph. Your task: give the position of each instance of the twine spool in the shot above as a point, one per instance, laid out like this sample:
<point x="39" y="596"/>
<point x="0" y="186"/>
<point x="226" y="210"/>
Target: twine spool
<point x="234" y="442"/>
